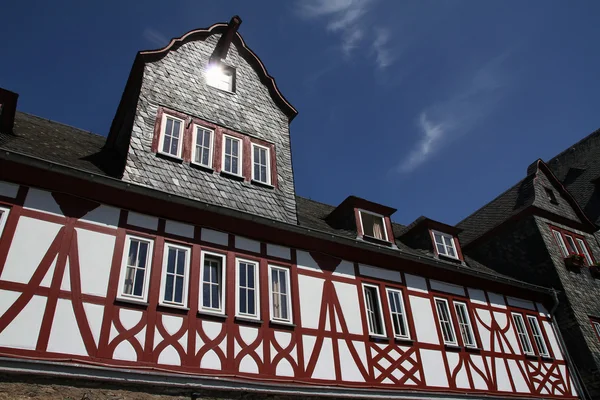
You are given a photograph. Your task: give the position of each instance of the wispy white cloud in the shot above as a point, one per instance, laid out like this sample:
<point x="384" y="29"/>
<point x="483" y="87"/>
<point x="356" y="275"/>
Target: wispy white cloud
<point x="457" y="115"/>
<point x="350" y="20"/>
<point x="155" y="37"/>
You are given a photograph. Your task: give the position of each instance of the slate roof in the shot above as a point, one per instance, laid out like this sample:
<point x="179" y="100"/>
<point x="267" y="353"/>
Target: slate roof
<point x="494" y="213"/>
<point x="577" y="168"/>
<point x="62" y="144"/>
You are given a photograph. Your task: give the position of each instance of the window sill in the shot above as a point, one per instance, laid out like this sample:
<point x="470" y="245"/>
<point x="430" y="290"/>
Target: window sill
<point x="531" y="356"/>
<point x="232" y="175"/>
<point x="137" y="302"/>
<point x="174" y="306"/>
<point x="547" y="358"/>
<point x="452" y="347"/>
<point x="473" y="349"/>
<point x="403" y="340"/>
<point x="449" y="258"/>
<point x="248" y="320"/>
<point x="201" y="167"/>
<point x="259" y="183"/>
<point x="379" y="338"/>
<point x="283" y="323"/>
<point x="214" y="314"/>
<point x="169" y="156"/>
<point x="376" y="241"/>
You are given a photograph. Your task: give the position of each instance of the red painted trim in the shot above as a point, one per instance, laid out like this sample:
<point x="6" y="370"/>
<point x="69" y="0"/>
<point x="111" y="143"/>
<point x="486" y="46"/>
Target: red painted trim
<point x="246" y="158"/>
<point x="157" y="130"/>
<point x="575" y="236"/>
<point x="596" y="320"/>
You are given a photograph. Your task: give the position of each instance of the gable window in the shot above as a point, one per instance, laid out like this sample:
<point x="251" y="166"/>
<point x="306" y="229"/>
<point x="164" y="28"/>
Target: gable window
<point x="464" y="324"/>
<point x="538" y="338"/>
<point x="551" y="196"/>
<point x="279" y="285"/>
<point x="398" y="314"/>
<point x="220" y="76"/>
<point x="176" y="264"/>
<point x="212" y="297"/>
<point x="373" y="308"/>
<point x="135" y="270"/>
<point x="260" y="164"/>
<point x="522" y="333"/>
<point x="203" y="144"/>
<point x="232" y="155"/>
<point x="3" y="218"/>
<point x="596" y="326"/>
<point x="570" y="243"/>
<point x="372" y="225"/>
<point x="445" y="245"/>
<point x="247" y="289"/>
<point x="443" y="313"/>
<point x="171" y="139"/>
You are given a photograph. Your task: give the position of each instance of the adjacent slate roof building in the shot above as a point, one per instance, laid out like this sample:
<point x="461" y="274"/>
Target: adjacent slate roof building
<point x="175" y="255"/>
<point x="537" y="229"/>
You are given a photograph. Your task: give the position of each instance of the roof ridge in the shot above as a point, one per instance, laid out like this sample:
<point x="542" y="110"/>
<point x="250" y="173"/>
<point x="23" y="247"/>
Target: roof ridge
<point x="61" y="123"/>
<point x="315" y="201"/>
<point x="581" y="141"/>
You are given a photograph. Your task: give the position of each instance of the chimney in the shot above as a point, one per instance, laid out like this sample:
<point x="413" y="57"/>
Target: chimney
<point x="8" y="107"/>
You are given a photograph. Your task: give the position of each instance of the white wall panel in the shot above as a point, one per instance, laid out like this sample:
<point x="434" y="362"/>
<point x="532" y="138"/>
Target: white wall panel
<point x="169" y="356"/>
<point x="42" y="200"/>
<point x="517" y="377"/>
<point x="416" y="283"/>
<point x="221" y="238"/>
<point x="30" y="243"/>
<point x="179" y="228"/>
<point x="305" y="261"/>
<point x="425" y="325"/>
<point x="210" y="360"/>
<point x="23" y="331"/>
<point x="325" y="367"/>
<point x="248" y="365"/>
<point x="477" y="296"/>
<point x="310" y="296"/>
<point x="433" y="367"/>
<point x="345" y="269"/>
<point x="553" y="340"/>
<point x="447" y="287"/>
<point x="64" y="334"/>
<point x="278" y="251"/>
<point x="484" y="333"/>
<point x="247" y="244"/>
<point x="348" y="297"/>
<point x="348" y="367"/>
<point x="103" y="216"/>
<point x="95" y="259"/>
<point x="478" y="373"/>
<point x="125" y="351"/>
<point x="496" y="300"/>
<point x="94" y="314"/>
<point x="515" y="302"/>
<point x="142" y="220"/>
<point x="502" y="376"/>
<point x="379" y="273"/>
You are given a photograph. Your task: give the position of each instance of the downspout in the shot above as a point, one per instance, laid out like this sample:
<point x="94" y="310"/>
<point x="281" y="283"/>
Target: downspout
<point x="578" y="382"/>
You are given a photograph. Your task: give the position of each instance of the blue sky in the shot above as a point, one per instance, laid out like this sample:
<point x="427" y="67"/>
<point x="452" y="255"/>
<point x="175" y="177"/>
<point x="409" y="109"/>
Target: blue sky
<point x="431" y="107"/>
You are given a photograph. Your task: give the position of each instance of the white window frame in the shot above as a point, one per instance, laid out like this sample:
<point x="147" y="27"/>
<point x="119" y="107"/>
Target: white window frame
<point x="444" y="237"/>
<point x="255" y="316"/>
<point x="401" y="315"/>
<point x="186" y="274"/>
<point x="522" y="335"/>
<point x="4" y="212"/>
<point x="288" y="294"/>
<point x="452" y="330"/>
<point x="240" y="155"/>
<point x="121" y="295"/>
<point x="468" y="325"/>
<point x="222" y="283"/>
<point x="596" y="326"/>
<point x="362" y="227"/>
<point x="163" y="129"/>
<point x="268" y="158"/>
<point x="561" y="243"/>
<point x="379" y="311"/>
<point x="584" y="250"/>
<point x="572" y="242"/>
<point x="221" y="69"/>
<point x="538" y="336"/>
<point x="210" y="148"/>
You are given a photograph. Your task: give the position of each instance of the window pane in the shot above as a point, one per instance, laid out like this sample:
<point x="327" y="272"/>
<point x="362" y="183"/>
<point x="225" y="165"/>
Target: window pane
<point x="251" y="309"/>
<point x="537" y="335"/>
<point x="169" y="288"/>
<point x="172" y="254"/>
<point x="373" y="310"/>
<point x="215" y="297"/>
<point x="234" y="166"/>
<point x="227" y="145"/>
<point x="176" y="128"/>
<point x="139" y="283"/>
<point x="133" y="250"/>
<point x="561" y="243"/>
<point x="179" y="289"/>
<point x="174" y="144"/>
<point x="250" y="275"/>
<point x="571" y="245"/>
<point x="206" y="295"/>
<point x="243" y="275"/>
<point x="284" y="311"/>
<point x="438" y="238"/>
<point x="243" y="302"/>
<point x="522" y="333"/>
<point x="584" y="251"/>
<point x="283" y="281"/>
<point x="234" y="147"/>
<point x="129" y="277"/>
<point x="181" y="262"/>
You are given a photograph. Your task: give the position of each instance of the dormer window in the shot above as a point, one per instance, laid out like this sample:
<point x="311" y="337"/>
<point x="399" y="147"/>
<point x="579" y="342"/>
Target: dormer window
<point x="444" y="244"/>
<point x="232" y="155"/>
<point x="551" y="196"/>
<point x="203" y="144"/>
<point x="261" y="164"/>
<point x="171" y="136"/>
<point x="220" y="76"/>
<point x="373" y="225"/>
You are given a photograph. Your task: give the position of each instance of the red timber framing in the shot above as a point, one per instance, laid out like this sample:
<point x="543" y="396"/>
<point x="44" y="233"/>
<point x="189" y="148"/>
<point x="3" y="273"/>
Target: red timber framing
<point x="382" y="363"/>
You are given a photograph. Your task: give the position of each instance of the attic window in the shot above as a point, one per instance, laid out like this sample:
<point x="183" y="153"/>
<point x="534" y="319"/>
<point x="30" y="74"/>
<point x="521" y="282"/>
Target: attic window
<point x="221" y="77"/>
<point x="551" y="196"/>
<point x="444" y="244"/>
<point x="372" y="225"/>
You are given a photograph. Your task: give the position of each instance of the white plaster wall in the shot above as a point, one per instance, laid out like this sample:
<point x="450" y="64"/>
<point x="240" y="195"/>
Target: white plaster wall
<point x="345" y="269"/>
<point x="310" y="296"/>
<point x="278" y="251"/>
<point x="515" y="302"/>
<point x="349" y="303"/>
<point x="447" y="287"/>
<point x="553" y="342"/>
<point x="325" y="367"/>
<point x="217" y="237"/>
<point x="65" y="336"/>
<point x="379" y="273"/>
<point x="23" y="331"/>
<point x="348" y="367"/>
<point x="95" y="259"/>
<point x="142" y="220"/>
<point x="433" y="367"/>
<point x="30" y="243"/>
<point x="416" y="283"/>
<point x="247" y="244"/>
<point x="103" y="216"/>
<point x="425" y="325"/>
<point x="305" y="261"/>
<point x="179" y="228"/>
<point x="8" y="189"/>
<point x="41" y="200"/>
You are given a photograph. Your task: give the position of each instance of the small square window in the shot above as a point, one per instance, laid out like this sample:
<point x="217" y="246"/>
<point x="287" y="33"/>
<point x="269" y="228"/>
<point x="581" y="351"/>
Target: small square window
<point x="261" y="164"/>
<point x="246" y="279"/>
<point x="176" y="264"/>
<point x="203" y="146"/>
<point x="551" y="196"/>
<point x="232" y="155"/>
<point x="3" y="217"/>
<point x="279" y="285"/>
<point x="212" y="298"/>
<point x="135" y="269"/>
<point x="445" y="245"/>
<point x="374" y="312"/>
<point x="373" y="225"/>
<point x="221" y="76"/>
<point x="171" y="137"/>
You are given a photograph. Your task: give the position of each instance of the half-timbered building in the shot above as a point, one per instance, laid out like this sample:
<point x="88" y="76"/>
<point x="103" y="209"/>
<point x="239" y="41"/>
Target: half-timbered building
<point x="175" y="254"/>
